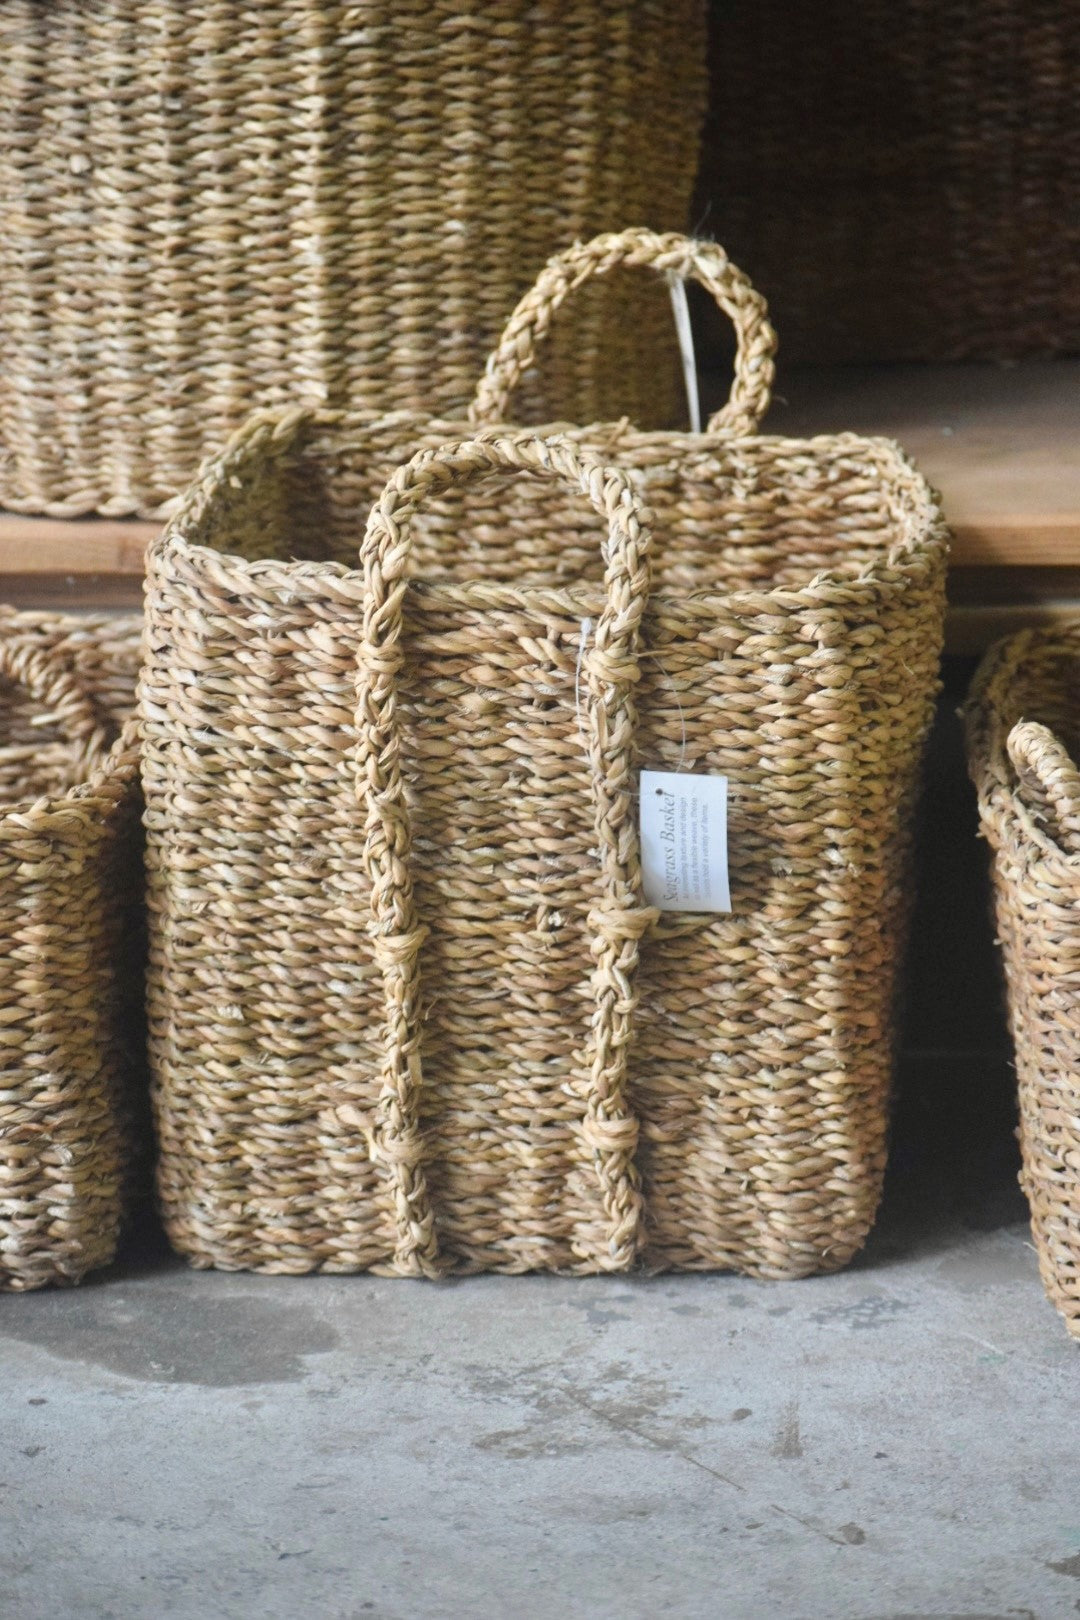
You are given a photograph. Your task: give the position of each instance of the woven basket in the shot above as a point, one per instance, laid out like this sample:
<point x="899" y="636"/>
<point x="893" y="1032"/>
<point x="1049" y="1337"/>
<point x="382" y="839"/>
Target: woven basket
<point x="1023" y="722"/>
<point x="69" y="808"/>
<point x="904" y="178"/>
<point x="206" y="207"/>
<point x="408" y="1009"/>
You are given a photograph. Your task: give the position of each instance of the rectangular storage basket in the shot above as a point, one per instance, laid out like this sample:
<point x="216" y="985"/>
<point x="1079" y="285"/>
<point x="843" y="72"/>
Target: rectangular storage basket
<point x="1023" y="724"/>
<point x="408" y="1009"/>
<point x="70" y="872"/>
<point x="208" y="207"/>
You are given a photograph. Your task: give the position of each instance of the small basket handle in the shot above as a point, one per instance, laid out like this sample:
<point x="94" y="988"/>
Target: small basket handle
<point x="610" y="670"/>
<point x="1049" y="778"/>
<point x="50" y="685"/>
<point x="704" y="262"/>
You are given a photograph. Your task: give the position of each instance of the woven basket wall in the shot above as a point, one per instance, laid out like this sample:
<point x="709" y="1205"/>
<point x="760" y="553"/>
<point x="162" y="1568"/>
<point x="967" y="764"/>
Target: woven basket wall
<point x="71" y="1135"/>
<point x="408" y="1008"/>
<point x="1023" y="722"/>
<point x="207" y="206"/>
<point x="903" y="179"/>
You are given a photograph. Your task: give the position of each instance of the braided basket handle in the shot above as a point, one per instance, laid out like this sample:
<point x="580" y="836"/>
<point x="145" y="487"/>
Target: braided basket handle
<point x="1049" y="779"/>
<point x="51" y="685"/>
<point x="610" y="670"/>
<point x="703" y="262"/>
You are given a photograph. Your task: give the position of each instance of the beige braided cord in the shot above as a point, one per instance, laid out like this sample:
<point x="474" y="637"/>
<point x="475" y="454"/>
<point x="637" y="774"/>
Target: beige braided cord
<point x="1049" y="778"/>
<point x="100" y="650"/>
<point x="610" y="669"/>
<point x="51" y="686"/>
<point x="700" y="261"/>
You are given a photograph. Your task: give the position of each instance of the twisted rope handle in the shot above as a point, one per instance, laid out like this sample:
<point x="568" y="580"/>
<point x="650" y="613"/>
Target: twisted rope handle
<point x="704" y="262"/>
<point x="610" y="670"/>
<point x="50" y="685"/>
<point x="1049" y="778"/>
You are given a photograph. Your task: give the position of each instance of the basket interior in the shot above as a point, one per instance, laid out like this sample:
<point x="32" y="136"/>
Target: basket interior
<point x="1046" y="688"/>
<point x="36" y="759"/>
<point x="748" y="514"/>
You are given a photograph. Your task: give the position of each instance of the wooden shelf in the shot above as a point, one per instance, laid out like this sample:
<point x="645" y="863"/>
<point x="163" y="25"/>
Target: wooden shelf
<point x="1002" y="444"/>
<point x="33" y="545"/>
<point x="72" y="562"/>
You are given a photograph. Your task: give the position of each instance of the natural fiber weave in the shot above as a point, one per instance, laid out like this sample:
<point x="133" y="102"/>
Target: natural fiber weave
<point x="207" y="206"/>
<point x="903" y="179"/>
<point x="1023" y="722"/>
<point x="100" y="651"/>
<point x="408" y="1010"/>
<point x="69" y="809"/>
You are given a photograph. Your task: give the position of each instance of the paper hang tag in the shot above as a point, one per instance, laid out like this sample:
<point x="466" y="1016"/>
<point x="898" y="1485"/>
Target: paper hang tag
<point x="684" y="854"/>
<point x="681" y="310"/>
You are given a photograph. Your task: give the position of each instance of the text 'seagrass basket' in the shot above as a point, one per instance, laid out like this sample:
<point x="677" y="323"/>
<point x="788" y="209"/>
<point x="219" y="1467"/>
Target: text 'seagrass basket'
<point x="1023" y="722"/>
<point x="408" y="1009"/>
<point x="207" y="206"/>
<point x="70" y="869"/>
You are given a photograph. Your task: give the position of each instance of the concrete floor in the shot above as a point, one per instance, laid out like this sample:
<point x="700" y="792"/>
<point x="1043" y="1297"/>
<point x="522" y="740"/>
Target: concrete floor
<point x="898" y="1441"/>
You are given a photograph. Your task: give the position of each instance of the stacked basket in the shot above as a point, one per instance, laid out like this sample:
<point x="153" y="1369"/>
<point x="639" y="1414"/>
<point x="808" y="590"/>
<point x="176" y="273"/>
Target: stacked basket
<point x="205" y="207"/>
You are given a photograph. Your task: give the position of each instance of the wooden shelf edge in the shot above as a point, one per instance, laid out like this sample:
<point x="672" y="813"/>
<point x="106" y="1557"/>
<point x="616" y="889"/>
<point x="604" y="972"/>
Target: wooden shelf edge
<point x="73" y="593"/>
<point x="1046" y="541"/>
<point x="55" y="546"/>
<point x="41" y="545"/>
<point x="1001" y="444"/>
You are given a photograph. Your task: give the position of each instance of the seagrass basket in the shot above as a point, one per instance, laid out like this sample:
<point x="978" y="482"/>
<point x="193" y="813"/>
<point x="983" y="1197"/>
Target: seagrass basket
<point x="904" y="178"/>
<point x="70" y="870"/>
<point x="1023" y="727"/>
<point x="207" y="206"/>
<point x="408" y="1008"/>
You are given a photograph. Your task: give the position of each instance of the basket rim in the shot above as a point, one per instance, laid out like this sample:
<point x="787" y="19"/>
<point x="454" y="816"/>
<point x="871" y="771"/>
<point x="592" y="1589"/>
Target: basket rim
<point x="914" y="555"/>
<point x="64" y="816"/>
<point x="1003" y="808"/>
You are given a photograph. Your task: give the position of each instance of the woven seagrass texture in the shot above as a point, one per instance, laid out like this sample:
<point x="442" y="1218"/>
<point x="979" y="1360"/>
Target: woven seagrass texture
<point x="408" y="1009"/>
<point x="1023" y="723"/>
<point x="207" y="206"/>
<point x="902" y="179"/>
<point x="69" y="864"/>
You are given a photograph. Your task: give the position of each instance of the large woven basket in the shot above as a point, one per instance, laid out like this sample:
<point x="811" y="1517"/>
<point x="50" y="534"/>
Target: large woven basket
<point x="1023" y="722"/>
<point x="409" y="1011"/>
<point x="904" y="178"/>
<point x="69" y="874"/>
<point x="207" y="206"/>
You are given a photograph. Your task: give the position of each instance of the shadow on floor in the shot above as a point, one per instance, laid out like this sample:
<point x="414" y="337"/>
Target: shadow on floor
<point x="954" y="1157"/>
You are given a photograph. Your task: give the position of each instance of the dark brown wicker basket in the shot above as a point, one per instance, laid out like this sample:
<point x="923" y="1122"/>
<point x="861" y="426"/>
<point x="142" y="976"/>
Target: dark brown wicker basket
<point x="904" y="180"/>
